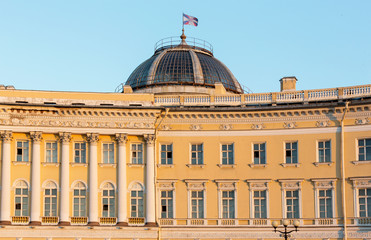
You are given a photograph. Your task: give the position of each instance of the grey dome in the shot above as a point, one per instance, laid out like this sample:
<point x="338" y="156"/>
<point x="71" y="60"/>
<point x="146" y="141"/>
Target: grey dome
<point x="182" y="64"/>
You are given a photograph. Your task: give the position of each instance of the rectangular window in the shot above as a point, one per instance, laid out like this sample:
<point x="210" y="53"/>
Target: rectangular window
<point x="364" y="201"/>
<point x="291" y="152"/>
<point x="22" y="151"/>
<point x="292" y="204"/>
<point x="167" y="210"/>
<point x="80" y="152"/>
<point x="136" y="204"/>
<point x="259" y="153"/>
<point x="197" y="204"/>
<point x="108" y="153"/>
<point x="108" y="203"/>
<point x="228" y="204"/>
<point x="364" y="149"/>
<point x="325" y="203"/>
<point x="260" y="204"/>
<point x="324" y="151"/>
<point x="51" y="152"/>
<point x="79" y="201"/>
<point x="50" y="202"/>
<point x="197" y="154"/>
<point x="227" y="154"/>
<point x="21" y="201"/>
<point x="137" y="153"/>
<point x="167" y="154"/>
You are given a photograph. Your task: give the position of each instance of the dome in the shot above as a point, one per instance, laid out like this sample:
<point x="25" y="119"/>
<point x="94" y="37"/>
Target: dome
<point x="178" y="66"/>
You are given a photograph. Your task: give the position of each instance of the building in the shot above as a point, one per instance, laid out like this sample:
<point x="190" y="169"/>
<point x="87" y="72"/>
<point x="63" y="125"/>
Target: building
<point x="181" y="152"/>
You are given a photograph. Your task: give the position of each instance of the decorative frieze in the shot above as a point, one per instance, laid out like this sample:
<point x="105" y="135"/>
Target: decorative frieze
<point x="290" y="125"/>
<point x="323" y="123"/>
<point x="258" y="126"/>
<point x="36" y="136"/>
<point x="226" y="184"/>
<point x="166" y="127"/>
<point x="361" y="182"/>
<point x="290" y="184"/>
<point x="362" y="121"/>
<point x="166" y="184"/>
<point x="196" y="184"/>
<point x="258" y="184"/>
<point x="225" y="127"/>
<point x="195" y="127"/>
<point x="323" y="183"/>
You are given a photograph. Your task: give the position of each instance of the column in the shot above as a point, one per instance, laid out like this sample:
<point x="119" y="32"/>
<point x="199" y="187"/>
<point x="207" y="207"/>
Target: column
<point x="35" y="178"/>
<point x="64" y="208"/>
<point x="150" y="180"/>
<point x="121" y="139"/>
<point x="5" y="179"/>
<point x="93" y="178"/>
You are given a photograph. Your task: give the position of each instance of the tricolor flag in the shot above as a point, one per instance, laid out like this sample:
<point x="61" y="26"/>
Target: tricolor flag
<point x="189" y="20"/>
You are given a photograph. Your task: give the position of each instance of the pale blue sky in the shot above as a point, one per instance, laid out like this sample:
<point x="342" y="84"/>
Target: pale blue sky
<point x="92" y="45"/>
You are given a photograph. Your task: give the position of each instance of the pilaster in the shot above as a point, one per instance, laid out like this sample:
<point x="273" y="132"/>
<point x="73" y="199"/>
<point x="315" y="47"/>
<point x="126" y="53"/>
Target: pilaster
<point x="6" y="137"/>
<point x="121" y="139"/>
<point x="150" y="180"/>
<point x="65" y="138"/>
<point x="35" y="178"/>
<point x="93" y="139"/>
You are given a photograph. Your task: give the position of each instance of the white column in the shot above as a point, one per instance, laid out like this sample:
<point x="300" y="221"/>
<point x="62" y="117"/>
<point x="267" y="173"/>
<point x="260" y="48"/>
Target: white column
<point x="121" y="139"/>
<point x="35" y="178"/>
<point x="93" y="178"/>
<point x="64" y="209"/>
<point x="150" y="180"/>
<point x="5" y="178"/>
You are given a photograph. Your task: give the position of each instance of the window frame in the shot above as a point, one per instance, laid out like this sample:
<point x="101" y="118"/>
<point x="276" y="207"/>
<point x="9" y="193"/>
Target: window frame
<point x="47" y="186"/>
<point x="166" y="158"/>
<point x="131" y="153"/>
<point x="253" y="153"/>
<point x="358" y="147"/>
<point x="137" y="187"/>
<point x="79" y="197"/>
<point x="80" y="149"/>
<point x="28" y="150"/>
<point x="110" y="187"/>
<point x="324" y="148"/>
<point x="291" y="185"/>
<point x="359" y="183"/>
<point x="22" y="196"/>
<point x="233" y="162"/>
<point x="197" y="151"/>
<point x="51" y="155"/>
<point x="113" y="152"/>
<point x="297" y="152"/>
<point x="258" y="185"/>
<point x="196" y="185"/>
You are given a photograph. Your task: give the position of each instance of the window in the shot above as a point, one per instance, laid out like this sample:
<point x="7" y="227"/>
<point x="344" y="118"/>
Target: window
<point x="108" y="200"/>
<point x="50" y="200"/>
<point x="167" y="154"/>
<point x="21" y="199"/>
<point x="51" y="152"/>
<point x="167" y="210"/>
<point x="364" y="201"/>
<point x="80" y="152"/>
<point x="22" y="151"/>
<point x="137" y="153"/>
<point x="197" y="154"/>
<point x="197" y="204"/>
<point x="79" y="200"/>
<point x="228" y="204"/>
<point x="364" y="149"/>
<point x="260" y="204"/>
<point x="324" y="151"/>
<point x="325" y="203"/>
<point x="227" y="154"/>
<point x="291" y="152"/>
<point x="108" y="153"/>
<point x="137" y="203"/>
<point x="292" y="203"/>
<point x="259" y="153"/>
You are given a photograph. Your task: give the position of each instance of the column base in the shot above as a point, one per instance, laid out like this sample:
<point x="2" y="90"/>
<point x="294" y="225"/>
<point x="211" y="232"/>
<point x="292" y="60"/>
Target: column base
<point x="5" y="222"/>
<point x="151" y="224"/>
<point x="93" y="224"/>
<point x="35" y="223"/>
<point x="64" y="223"/>
<point x="122" y="224"/>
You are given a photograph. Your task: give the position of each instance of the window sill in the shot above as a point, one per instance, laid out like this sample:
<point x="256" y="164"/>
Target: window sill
<point x="322" y="163"/>
<point x="253" y="165"/>
<point x="79" y="164"/>
<point x="21" y="163"/>
<point x="165" y="165"/>
<point x="290" y="164"/>
<point x="361" y="162"/>
<point x="226" y="165"/>
<point x="107" y="165"/>
<point x="136" y="165"/>
<point x="195" y="165"/>
<point x="55" y="164"/>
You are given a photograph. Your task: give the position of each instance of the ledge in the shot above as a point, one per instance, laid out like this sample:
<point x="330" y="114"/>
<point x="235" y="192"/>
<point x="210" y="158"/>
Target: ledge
<point x="165" y="165"/>
<point x="195" y="165"/>
<point x="21" y="163"/>
<point x="253" y="165"/>
<point x="290" y="164"/>
<point x="361" y="162"/>
<point x="107" y="165"/>
<point x="322" y="163"/>
<point x="55" y="164"/>
<point x="78" y="164"/>
<point x="226" y="165"/>
<point x="135" y="165"/>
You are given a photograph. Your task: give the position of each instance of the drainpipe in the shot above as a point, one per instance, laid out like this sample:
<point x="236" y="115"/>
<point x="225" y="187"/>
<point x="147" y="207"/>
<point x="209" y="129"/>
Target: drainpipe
<point x="343" y="173"/>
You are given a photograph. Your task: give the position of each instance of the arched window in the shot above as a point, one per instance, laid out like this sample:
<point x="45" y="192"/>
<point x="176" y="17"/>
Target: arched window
<point x="108" y="200"/>
<point x="50" y="199"/>
<point x="21" y="199"/>
<point x="136" y="201"/>
<point x="79" y="200"/>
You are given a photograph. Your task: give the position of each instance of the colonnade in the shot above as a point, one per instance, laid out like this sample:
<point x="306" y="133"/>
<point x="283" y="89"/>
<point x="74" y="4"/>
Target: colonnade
<point x="64" y="204"/>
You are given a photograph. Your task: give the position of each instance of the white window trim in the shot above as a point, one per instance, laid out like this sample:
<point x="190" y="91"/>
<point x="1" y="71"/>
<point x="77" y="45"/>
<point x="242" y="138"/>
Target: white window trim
<point x="29" y="150"/>
<point x="317" y="163"/>
<point x="159" y="164"/>
<point x="114" y="197"/>
<point x="131" y="154"/>
<point x="284" y="153"/>
<point x="252" y="154"/>
<point x="43" y="194"/>
<point x="357" y="161"/>
<point x="324" y="184"/>
<point x="196" y="185"/>
<point x="221" y="155"/>
<point x="166" y="185"/>
<point x="190" y="154"/>
<point x="86" y="153"/>
<point x="359" y="183"/>
<point x="226" y="185"/>
<point x="114" y="153"/>
<point x="132" y="187"/>
<point x="45" y="160"/>
<point x="258" y="185"/>
<point x="291" y="185"/>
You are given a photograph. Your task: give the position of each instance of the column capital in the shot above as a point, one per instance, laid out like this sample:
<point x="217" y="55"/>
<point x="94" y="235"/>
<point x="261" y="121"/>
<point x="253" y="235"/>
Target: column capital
<point x="36" y="136"/>
<point x="121" y="138"/>
<point x="64" y="137"/>
<point x="92" y="138"/>
<point x="149" y="138"/>
<point x="7" y="136"/>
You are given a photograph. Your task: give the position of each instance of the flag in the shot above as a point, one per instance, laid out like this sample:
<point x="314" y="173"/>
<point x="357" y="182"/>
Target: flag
<point x="189" y="20"/>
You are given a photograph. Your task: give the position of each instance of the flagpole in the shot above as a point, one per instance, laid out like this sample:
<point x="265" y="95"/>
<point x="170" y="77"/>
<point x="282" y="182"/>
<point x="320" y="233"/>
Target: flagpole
<point x="182" y="22"/>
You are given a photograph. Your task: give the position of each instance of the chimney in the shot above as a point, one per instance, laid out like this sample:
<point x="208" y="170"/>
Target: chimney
<point x="288" y="84"/>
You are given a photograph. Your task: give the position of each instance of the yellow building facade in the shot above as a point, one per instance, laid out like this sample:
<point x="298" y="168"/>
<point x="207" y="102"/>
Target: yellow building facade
<point x="180" y="152"/>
